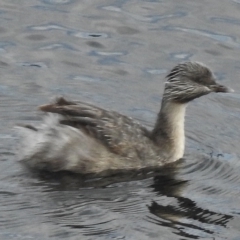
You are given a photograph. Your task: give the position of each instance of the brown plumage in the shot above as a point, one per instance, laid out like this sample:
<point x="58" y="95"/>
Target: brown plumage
<point x="83" y="138"/>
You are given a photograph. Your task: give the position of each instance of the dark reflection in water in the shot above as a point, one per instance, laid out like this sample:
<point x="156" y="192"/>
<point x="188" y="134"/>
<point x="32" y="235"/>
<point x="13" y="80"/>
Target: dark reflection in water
<point x="168" y="208"/>
<point x="115" y="55"/>
<point x="185" y="208"/>
<point x="69" y="181"/>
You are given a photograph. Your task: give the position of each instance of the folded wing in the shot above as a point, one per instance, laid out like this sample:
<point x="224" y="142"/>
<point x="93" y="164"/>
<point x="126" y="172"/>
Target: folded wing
<point x="117" y="132"/>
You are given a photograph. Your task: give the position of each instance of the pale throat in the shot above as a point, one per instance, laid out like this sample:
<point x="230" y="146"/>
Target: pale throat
<point x="170" y="129"/>
<point x="176" y="118"/>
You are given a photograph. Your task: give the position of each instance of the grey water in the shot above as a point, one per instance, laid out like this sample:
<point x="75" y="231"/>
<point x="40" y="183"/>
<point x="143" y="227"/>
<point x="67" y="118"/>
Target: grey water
<point x="115" y="54"/>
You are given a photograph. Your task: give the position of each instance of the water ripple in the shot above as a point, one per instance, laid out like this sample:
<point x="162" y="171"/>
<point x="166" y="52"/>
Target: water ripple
<point x="148" y="18"/>
<point x="184" y="213"/>
<point x="33" y="64"/>
<point x="87" y="34"/>
<point x="54" y="46"/>
<point x="226" y="20"/>
<point x="57" y="2"/>
<point x="156" y="71"/>
<point x="182" y="56"/>
<point x="75" y="33"/>
<point x="218" y="37"/>
<point x="47" y="27"/>
<point x="108" y="54"/>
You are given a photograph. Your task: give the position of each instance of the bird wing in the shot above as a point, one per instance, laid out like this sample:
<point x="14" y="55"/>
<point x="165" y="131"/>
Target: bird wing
<point x="119" y="133"/>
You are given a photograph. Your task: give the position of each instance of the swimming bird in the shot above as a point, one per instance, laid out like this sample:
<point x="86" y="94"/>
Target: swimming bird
<point x="86" y="139"/>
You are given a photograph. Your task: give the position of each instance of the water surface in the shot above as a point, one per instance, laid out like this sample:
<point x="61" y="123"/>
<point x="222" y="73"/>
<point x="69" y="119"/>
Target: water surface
<point x="116" y="54"/>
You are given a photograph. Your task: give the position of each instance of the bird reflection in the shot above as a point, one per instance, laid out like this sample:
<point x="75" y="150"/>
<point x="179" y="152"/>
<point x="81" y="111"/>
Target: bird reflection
<point x="183" y="213"/>
<point x="65" y="180"/>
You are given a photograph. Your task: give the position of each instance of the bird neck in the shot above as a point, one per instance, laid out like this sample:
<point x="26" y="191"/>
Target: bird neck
<point x="168" y="132"/>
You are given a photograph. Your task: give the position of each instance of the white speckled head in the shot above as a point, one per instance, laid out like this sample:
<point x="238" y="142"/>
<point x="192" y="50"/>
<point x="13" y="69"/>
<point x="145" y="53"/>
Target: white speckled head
<point x="191" y="80"/>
